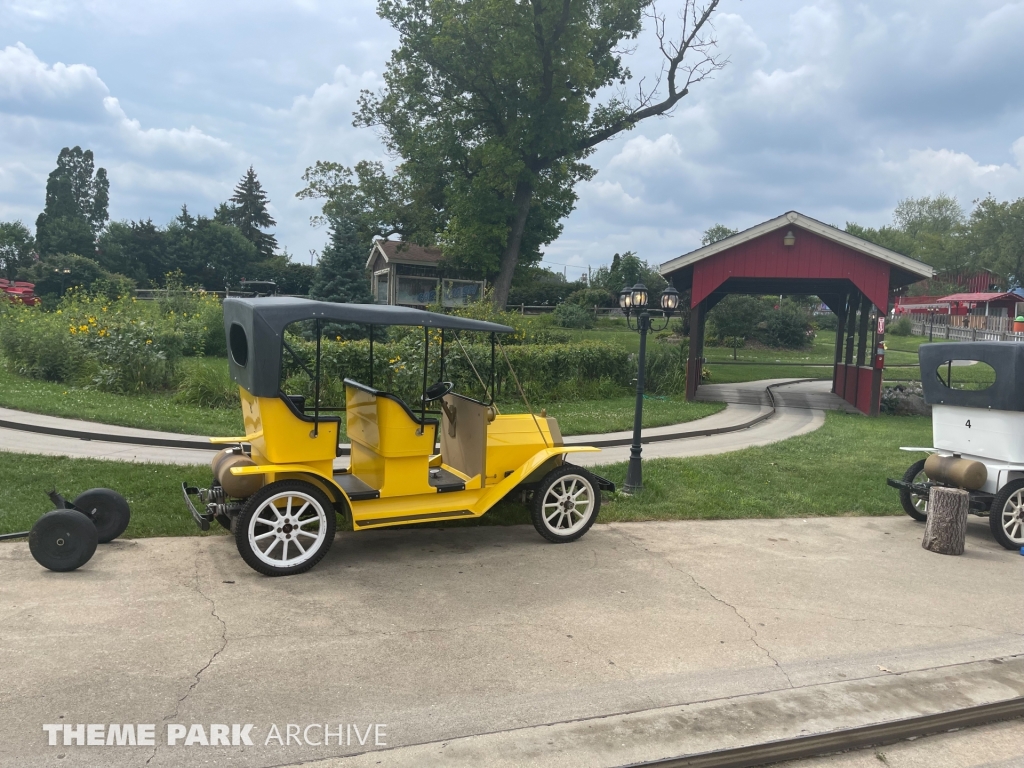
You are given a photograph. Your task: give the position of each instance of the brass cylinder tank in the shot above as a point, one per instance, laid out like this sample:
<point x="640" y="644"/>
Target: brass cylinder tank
<point x="963" y="473"/>
<point x="238" y="486"/>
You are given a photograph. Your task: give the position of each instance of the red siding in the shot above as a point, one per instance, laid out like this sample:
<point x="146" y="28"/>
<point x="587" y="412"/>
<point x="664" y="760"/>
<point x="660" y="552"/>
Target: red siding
<point x="864" y="390"/>
<point x="812" y="256"/>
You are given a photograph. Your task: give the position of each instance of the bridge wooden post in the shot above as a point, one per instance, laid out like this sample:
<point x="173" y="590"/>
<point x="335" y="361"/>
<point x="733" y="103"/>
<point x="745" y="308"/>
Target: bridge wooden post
<point x="694" y="363"/>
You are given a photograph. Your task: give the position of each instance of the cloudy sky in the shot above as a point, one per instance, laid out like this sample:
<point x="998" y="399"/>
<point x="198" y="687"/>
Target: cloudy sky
<point x="834" y="109"/>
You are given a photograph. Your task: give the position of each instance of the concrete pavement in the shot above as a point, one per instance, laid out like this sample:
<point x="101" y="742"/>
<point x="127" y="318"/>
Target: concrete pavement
<point x="447" y="634"/>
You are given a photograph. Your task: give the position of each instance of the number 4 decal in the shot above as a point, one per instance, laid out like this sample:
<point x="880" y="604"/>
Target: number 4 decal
<point x="968" y="423"/>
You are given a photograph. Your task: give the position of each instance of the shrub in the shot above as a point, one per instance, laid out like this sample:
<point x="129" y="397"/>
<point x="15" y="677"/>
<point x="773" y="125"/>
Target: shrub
<point x="207" y="386"/>
<point x="593" y="297"/>
<point x="116" y="345"/>
<point x="573" y="316"/>
<point x="827" y="322"/>
<point x="901" y="326"/>
<point x="787" y="327"/>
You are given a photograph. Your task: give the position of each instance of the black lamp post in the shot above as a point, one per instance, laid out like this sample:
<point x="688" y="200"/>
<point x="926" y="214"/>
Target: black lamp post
<point x="634" y="301"/>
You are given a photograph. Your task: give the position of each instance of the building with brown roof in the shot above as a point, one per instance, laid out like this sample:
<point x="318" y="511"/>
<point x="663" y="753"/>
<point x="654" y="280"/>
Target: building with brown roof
<point x="410" y="274"/>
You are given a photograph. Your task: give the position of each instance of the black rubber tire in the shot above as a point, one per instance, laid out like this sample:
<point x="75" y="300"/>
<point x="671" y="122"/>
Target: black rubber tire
<point x="112" y="513"/>
<point x="995" y="516"/>
<point x="63" y="540"/>
<point x="907" y="498"/>
<point x="537" y="503"/>
<point x="252" y="507"/>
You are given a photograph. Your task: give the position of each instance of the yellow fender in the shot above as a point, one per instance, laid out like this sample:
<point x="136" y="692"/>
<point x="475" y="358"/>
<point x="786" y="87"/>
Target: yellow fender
<point x="497" y="492"/>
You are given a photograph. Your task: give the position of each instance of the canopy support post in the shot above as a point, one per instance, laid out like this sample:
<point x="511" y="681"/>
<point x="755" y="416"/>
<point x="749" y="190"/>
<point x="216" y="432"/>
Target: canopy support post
<point x="372" y="328"/>
<point x="492" y="367"/>
<point x="316" y="385"/>
<point x="426" y="362"/>
<point x="441" y="378"/>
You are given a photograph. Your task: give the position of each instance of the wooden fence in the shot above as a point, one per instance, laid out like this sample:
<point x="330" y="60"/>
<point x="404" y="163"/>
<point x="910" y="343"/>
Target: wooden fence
<point x="967" y="332"/>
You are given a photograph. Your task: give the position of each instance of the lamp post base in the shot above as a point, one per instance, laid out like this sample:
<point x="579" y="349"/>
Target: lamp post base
<point x="634" y="476"/>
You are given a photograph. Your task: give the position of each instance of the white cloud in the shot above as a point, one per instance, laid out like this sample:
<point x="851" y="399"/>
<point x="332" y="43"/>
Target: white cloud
<point x="29" y="86"/>
<point x="191" y="146"/>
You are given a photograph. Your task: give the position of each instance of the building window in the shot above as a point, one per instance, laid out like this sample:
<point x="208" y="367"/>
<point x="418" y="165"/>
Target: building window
<point x="458" y="293"/>
<point x="382" y="289"/>
<point x="416" y="290"/>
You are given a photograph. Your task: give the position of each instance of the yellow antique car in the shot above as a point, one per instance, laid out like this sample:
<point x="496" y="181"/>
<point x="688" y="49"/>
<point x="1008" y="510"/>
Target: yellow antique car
<point x="278" y="490"/>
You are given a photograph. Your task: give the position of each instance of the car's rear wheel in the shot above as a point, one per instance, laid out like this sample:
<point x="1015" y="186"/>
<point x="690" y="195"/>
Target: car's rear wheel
<point x="285" y="528"/>
<point x="914" y="504"/>
<point x="1006" y="516"/>
<point x="565" y="504"/>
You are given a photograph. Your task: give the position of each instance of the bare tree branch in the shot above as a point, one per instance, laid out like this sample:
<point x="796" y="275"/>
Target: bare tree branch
<point x="689" y="58"/>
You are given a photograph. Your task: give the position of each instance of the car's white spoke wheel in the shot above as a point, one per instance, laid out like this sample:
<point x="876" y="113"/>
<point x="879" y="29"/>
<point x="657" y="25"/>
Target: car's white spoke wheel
<point x="1006" y="516"/>
<point x="565" y="504"/>
<point x="285" y="528"/>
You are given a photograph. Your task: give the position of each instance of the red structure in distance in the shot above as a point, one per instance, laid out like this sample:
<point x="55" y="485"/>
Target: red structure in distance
<point x="797" y="255"/>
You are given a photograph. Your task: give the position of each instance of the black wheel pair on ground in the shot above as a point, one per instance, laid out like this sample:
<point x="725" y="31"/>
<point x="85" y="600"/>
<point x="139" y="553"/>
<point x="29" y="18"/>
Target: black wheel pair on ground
<point x="1005" y="516"/>
<point x="288" y="526"/>
<point x="66" y="539"/>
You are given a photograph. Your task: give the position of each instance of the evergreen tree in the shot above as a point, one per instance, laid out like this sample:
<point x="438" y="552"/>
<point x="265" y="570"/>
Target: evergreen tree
<point x="77" y="197"/>
<point x="341" y="274"/>
<point x="248" y="212"/>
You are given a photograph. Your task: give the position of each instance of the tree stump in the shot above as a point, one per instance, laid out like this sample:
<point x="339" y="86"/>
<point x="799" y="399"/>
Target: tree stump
<point x="946" y="528"/>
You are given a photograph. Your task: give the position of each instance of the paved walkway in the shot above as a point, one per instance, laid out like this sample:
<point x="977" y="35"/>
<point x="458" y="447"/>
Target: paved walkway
<point x="489" y="646"/>
<point x="785" y="423"/>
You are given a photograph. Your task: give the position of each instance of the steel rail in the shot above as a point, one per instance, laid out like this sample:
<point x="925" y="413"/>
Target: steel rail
<point x="800" y="747"/>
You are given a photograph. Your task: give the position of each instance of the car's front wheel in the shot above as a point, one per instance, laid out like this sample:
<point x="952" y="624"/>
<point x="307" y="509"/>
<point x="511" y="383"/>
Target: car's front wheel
<point x="285" y="528"/>
<point x="565" y="504"/>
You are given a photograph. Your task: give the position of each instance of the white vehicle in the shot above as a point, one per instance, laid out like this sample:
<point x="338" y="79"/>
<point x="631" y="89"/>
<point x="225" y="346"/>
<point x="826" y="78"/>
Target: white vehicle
<point x="976" y="391"/>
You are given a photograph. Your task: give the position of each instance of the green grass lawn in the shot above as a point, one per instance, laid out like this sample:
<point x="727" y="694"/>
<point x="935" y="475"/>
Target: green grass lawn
<point x="150" y="411"/>
<point x="838" y="470"/>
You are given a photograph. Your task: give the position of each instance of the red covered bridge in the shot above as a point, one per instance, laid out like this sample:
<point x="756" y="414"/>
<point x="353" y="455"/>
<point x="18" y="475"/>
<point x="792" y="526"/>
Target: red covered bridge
<point x="797" y="255"/>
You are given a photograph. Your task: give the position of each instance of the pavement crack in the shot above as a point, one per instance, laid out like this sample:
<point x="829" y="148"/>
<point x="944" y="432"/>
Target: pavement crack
<point x="750" y="627"/>
<point x="223" y="644"/>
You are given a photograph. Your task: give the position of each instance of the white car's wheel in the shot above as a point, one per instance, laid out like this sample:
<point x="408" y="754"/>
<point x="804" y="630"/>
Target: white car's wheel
<point x="1006" y="516"/>
<point x="285" y="527"/>
<point x="565" y="504"/>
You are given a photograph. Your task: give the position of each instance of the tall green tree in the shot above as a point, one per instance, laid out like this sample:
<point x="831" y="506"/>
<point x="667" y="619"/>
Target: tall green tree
<point x="77" y="198"/>
<point x="495" y="102"/>
<point x="380" y="205"/>
<point x="208" y="252"/>
<point x="16" y="246"/>
<point x="341" y="275"/>
<point x="997" y="238"/>
<point x="136" y="249"/>
<point x="248" y="212"/>
<point x="628" y="269"/>
<point x="930" y="229"/>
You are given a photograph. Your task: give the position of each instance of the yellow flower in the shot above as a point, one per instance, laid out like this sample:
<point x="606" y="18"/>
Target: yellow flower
<point x="104" y="309"/>
<point x="149" y="341"/>
<point x="59" y="311"/>
<point x="84" y="328"/>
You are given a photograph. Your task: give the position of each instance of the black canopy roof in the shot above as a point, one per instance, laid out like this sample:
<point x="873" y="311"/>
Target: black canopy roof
<point x="1005" y="357"/>
<point x="255" y="331"/>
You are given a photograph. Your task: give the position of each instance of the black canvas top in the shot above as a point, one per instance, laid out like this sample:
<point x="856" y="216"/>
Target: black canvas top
<point x="255" y="330"/>
<point x="1006" y="359"/>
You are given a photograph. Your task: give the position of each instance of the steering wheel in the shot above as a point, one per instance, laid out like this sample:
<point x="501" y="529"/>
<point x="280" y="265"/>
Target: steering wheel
<point x="437" y="391"/>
